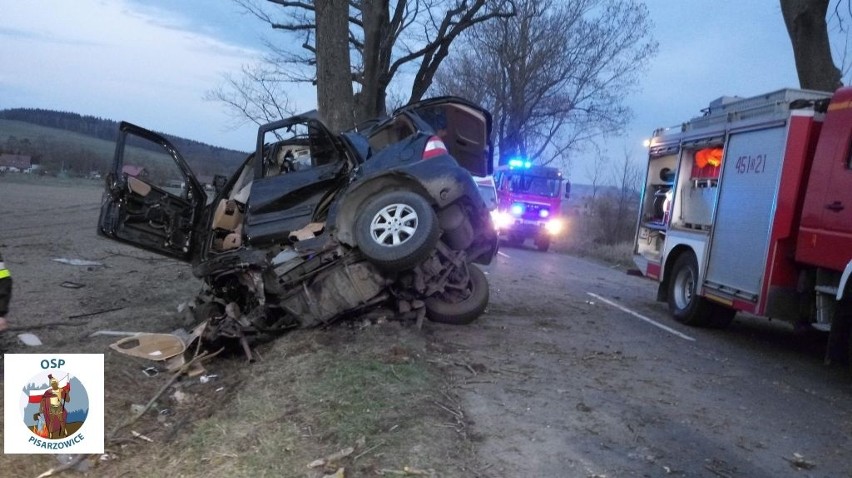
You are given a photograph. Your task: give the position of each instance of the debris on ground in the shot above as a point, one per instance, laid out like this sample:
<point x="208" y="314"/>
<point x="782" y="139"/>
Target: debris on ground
<point x="407" y="471"/>
<point x="800" y="463"/>
<point x="150" y="346"/>
<point x="72" y="285"/>
<point x="30" y="340"/>
<point x="89" y="314"/>
<point x="332" y="458"/>
<point x="77" y="262"/>
<point x="116" y="333"/>
<point x="141" y="436"/>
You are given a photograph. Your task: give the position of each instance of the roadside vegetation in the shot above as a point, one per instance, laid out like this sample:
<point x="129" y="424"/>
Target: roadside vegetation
<point x="578" y="243"/>
<point x="366" y="399"/>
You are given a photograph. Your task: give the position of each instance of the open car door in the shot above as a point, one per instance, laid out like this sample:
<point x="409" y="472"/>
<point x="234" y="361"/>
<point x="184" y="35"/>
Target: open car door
<point x="464" y="127"/>
<point x="152" y="200"/>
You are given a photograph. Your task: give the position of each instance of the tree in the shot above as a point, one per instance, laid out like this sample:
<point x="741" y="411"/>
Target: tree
<point x="334" y="87"/>
<point x="555" y="76"/>
<point x="385" y="39"/>
<point x="257" y="95"/>
<point x="614" y="212"/>
<point x="806" y="24"/>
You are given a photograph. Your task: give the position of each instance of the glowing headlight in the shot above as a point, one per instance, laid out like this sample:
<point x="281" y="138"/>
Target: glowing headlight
<point x="517" y="209"/>
<point x="542" y="213"/>
<point x="554" y="226"/>
<point x="501" y="219"/>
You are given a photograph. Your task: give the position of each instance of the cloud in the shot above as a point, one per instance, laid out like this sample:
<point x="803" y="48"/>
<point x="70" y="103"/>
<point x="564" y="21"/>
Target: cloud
<point x="110" y="59"/>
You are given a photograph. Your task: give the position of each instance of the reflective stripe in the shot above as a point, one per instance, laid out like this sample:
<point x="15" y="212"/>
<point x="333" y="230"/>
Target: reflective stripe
<point x="4" y="273"/>
<point x="2" y="264"/>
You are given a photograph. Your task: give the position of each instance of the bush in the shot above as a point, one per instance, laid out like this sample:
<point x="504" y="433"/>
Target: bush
<point x="584" y="237"/>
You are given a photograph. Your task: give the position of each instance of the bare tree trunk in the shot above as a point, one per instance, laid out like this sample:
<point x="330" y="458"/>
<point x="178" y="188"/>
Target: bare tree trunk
<point x="334" y="85"/>
<point x="808" y="30"/>
<point x="370" y="102"/>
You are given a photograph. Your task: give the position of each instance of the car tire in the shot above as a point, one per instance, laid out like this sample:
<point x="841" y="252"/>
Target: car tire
<point x="450" y="308"/>
<point x="396" y="230"/>
<point x="685" y="305"/>
<point x="543" y="244"/>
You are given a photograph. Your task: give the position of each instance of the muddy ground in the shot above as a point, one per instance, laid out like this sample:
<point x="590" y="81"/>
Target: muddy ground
<point x="551" y="381"/>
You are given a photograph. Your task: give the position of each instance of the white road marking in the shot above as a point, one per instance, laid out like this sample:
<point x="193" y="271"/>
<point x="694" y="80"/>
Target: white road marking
<point x="502" y="254"/>
<point x="642" y="317"/>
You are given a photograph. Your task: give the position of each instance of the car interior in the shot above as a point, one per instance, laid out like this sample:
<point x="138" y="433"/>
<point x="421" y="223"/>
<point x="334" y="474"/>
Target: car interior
<point x="396" y="130"/>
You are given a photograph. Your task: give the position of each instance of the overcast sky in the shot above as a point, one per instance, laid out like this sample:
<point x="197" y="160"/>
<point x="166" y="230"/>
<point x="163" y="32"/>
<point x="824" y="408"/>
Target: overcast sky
<point x="151" y="62"/>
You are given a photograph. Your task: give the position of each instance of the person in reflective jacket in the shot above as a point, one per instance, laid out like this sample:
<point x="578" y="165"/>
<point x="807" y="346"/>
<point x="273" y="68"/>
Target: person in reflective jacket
<point x="5" y="293"/>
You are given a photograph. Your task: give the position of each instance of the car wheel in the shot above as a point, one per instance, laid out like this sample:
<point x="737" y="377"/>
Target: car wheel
<point x="543" y="244"/>
<point x="685" y="305"/>
<point x="397" y="230"/>
<point x="460" y="305"/>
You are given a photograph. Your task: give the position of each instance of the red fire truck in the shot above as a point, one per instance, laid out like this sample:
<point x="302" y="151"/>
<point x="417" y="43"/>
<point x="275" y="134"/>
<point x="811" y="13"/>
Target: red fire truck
<point x="745" y="209"/>
<point x="529" y="202"/>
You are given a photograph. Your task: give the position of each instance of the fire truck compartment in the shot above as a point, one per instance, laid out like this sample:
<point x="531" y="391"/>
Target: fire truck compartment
<point x="746" y="206"/>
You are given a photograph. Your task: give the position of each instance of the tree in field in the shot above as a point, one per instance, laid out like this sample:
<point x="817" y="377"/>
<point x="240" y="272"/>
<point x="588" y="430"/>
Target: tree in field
<point x="808" y="29"/>
<point x="386" y="40"/>
<point x="613" y="214"/>
<point x="555" y="76"/>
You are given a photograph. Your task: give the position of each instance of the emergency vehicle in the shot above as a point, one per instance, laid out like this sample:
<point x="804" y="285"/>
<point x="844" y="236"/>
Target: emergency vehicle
<point x="529" y="202"/>
<point x="744" y="208"/>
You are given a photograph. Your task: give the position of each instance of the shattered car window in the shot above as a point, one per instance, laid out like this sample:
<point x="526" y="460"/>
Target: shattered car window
<point x="298" y="147"/>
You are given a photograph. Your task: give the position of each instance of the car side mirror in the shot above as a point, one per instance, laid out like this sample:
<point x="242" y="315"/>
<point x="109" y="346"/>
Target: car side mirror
<point x="567" y="190"/>
<point x="219" y="182"/>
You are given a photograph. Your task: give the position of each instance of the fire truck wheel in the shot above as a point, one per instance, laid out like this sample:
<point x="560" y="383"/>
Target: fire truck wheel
<point x="685" y="305"/>
<point x="397" y="230"/>
<point x="543" y="244"/>
<point x="459" y="306"/>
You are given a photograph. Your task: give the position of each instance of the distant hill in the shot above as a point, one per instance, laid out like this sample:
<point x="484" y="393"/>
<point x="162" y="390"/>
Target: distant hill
<point x="79" y="144"/>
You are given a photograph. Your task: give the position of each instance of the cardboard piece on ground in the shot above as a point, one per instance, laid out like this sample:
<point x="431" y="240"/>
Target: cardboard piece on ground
<point x="150" y="346"/>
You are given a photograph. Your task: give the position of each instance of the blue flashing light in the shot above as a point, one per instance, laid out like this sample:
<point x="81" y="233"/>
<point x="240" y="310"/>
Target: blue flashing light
<point x="520" y="163"/>
<point x="517" y="209"/>
<point x="543" y="213"/>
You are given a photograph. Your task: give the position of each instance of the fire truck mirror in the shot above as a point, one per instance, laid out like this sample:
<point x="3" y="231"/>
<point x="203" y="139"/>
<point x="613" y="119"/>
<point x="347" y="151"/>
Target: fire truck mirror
<point x="567" y="189"/>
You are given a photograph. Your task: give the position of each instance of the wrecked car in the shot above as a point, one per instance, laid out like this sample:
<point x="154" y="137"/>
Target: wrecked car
<point x="316" y="226"/>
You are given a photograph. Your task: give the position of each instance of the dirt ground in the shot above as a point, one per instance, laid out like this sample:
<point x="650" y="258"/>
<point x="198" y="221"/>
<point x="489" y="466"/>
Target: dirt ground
<point x="551" y="381"/>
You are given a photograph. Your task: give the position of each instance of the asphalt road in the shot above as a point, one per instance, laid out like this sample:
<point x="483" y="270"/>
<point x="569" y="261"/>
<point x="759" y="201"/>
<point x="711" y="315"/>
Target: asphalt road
<point x="576" y="370"/>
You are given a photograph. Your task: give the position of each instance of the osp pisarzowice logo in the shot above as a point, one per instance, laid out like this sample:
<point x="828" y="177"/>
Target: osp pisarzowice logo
<point x="58" y="408"/>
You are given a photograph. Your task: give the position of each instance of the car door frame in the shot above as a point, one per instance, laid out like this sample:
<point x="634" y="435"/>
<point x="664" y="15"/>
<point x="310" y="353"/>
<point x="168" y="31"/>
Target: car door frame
<point x="264" y="224"/>
<point x="114" y="217"/>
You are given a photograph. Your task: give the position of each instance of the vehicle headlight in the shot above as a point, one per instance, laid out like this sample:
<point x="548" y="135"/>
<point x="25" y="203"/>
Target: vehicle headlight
<point x="501" y="219"/>
<point x="554" y="226"/>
